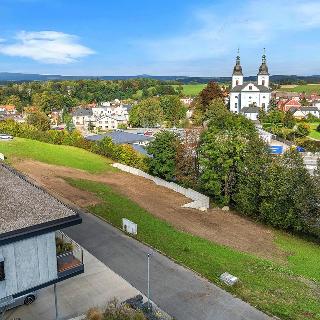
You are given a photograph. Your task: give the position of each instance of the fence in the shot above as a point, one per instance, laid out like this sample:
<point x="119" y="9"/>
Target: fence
<point x="200" y="201"/>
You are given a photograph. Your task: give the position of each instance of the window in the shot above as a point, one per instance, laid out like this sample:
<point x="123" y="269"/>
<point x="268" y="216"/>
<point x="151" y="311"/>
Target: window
<point x="263" y="105"/>
<point x="2" y="273"/>
<point x="236" y="105"/>
<point x="263" y="82"/>
<point x="237" y="82"/>
<point x="264" y="97"/>
<point x="250" y="87"/>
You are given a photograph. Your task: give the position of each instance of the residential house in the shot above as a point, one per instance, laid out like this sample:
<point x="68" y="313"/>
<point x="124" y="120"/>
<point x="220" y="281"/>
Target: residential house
<point x="314" y="111"/>
<point x="104" y="117"/>
<point x="33" y="252"/>
<point x="8" y="109"/>
<point x="186" y="101"/>
<point x="289" y="104"/>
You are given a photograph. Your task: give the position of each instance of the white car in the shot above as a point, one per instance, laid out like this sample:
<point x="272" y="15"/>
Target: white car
<point x="4" y="136"/>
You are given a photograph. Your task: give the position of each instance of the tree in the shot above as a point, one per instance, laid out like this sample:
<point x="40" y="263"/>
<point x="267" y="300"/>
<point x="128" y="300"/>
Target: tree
<point x="147" y="113"/>
<point x="289" y="199"/>
<point x="210" y="92"/>
<point x="318" y="128"/>
<point x="251" y="176"/>
<point x="303" y="129"/>
<point x="173" y="110"/>
<point x="289" y="121"/>
<point x="163" y="150"/>
<point x="39" y="120"/>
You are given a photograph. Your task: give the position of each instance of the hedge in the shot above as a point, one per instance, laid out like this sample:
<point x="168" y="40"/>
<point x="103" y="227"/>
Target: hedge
<point x="120" y="153"/>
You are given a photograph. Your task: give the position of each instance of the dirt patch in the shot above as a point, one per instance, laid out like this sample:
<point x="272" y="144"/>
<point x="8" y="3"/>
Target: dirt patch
<point x="226" y="228"/>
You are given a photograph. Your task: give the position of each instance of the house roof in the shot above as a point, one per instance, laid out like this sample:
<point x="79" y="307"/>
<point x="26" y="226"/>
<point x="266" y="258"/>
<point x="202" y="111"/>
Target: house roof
<point x="239" y="88"/>
<point x="249" y="110"/>
<point x="309" y="109"/>
<point x="25" y="207"/>
<point x="8" y="107"/>
<point x="292" y="102"/>
<point x="120" y="137"/>
<point x="82" y="112"/>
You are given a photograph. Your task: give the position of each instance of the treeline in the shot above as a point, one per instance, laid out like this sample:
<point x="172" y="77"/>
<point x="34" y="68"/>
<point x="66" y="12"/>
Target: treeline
<point x="58" y="95"/>
<point x="120" y="153"/>
<point x="229" y="162"/>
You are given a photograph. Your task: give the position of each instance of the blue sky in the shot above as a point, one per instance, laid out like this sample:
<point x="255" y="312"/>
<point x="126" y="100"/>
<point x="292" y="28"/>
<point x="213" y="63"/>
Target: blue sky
<point x="167" y="37"/>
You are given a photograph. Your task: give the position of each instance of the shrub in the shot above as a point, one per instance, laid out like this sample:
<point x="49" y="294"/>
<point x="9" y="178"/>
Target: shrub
<point x="105" y="147"/>
<point x="318" y="128"/>
<point x="303" y="129"/>
<point x="94" y="314"/>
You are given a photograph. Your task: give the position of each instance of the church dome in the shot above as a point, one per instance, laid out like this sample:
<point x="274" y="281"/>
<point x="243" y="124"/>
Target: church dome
<point x="237" y="70"/>
<point x="263" y="70"/>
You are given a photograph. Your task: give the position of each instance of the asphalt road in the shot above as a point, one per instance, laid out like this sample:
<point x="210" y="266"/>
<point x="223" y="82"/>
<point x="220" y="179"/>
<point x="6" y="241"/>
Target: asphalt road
<point x="175" y="289"/>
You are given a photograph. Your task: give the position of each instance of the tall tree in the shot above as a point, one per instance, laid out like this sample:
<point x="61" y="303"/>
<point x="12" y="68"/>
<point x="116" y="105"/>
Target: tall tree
<point x="173" y="110"/>
<point x="163" y="150"/>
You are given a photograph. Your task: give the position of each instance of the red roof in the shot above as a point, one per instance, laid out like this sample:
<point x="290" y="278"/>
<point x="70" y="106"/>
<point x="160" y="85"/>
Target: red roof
<point x="293" y="103"/>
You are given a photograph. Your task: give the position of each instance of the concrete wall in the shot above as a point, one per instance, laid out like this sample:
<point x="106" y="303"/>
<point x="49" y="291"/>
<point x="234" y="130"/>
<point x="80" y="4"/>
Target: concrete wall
<point x="200" y="201"/>
<point x="28" y="263"/>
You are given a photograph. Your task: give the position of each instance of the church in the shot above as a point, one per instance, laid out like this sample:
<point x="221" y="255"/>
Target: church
<point x="247" y="97"/>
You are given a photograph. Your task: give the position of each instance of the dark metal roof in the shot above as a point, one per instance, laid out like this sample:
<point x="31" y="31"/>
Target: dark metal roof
<point x="82" y="112"/>
<point x="309" y="109"/>
<point x="261" y="88"/>
<point x="249" y="110"/>
<point x="120" y="137"/>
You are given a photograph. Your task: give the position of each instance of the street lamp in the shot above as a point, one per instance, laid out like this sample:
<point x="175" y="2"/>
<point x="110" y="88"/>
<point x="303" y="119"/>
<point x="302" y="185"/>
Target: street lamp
<point x="149" y="256"/>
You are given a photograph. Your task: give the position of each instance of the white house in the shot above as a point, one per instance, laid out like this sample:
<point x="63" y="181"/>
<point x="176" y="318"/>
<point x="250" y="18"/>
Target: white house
<point x="251" y="113"/>
<point x="105" y="116"/>
<point x="30" y="258"/>
<point x="248" y="94"/>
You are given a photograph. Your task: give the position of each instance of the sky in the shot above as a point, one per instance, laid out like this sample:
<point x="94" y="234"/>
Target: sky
<point x="159" y="37"/>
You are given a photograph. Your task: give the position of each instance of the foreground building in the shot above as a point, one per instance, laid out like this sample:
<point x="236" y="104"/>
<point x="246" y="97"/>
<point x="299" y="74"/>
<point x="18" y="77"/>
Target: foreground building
<point x="250" y="94"/>
<point x="33" y="252"/>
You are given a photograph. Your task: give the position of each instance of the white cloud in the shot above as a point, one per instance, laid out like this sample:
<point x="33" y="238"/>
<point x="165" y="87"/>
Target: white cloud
<point x="250" y="24"/>
<point x="47" y="47"/>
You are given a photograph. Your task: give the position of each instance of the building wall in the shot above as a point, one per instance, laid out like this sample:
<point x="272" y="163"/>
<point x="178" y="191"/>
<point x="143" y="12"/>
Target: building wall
<point x="28" y="263"/>
<point x="237" y="81"/>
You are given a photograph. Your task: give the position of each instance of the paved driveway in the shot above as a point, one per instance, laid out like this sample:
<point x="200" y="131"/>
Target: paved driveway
<point x="76" y="295"/>
<point x="175" y="289"/>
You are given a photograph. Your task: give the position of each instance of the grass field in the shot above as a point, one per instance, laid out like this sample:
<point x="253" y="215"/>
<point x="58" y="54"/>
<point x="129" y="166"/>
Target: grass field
<point x="314" y="133"/>
<point x="289" y="291"/>
<point x="53" y="154"/>
<point x="307" y="88"/>
<point x="192" y="90"/>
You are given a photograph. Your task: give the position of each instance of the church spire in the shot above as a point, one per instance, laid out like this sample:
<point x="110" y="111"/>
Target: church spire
<point x="237" y="70"/>
<point x="263" y="70"/>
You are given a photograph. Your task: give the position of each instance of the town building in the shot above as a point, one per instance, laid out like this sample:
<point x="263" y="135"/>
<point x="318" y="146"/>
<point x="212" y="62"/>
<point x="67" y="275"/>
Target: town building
<point x="103" y="117"/>
<point x="250" y="94"/>
<point x="33" y="252"/>
<point x="286" y="105"/>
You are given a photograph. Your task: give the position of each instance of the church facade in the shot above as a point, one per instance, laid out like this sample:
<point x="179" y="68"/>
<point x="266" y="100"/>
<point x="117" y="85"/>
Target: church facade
<point x="244" y="95"/>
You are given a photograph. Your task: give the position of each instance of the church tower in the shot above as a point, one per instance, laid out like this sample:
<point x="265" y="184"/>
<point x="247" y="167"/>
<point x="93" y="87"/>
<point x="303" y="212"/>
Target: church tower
<point x="237" y="76"/>
<point x="263" y="75"/>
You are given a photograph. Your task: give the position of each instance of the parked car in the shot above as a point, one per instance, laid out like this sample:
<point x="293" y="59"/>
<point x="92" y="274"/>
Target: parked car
<point x="23" y="300"/>
<point x="4" y="136"/>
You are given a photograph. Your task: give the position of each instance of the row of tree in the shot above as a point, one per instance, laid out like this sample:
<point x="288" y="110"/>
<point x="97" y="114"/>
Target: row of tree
<point x="230" y="163"/>
<point x="58" y="95"/>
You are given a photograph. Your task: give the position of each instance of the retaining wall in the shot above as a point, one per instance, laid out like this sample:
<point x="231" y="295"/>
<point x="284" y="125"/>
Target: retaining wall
<point x="200" y="201"/>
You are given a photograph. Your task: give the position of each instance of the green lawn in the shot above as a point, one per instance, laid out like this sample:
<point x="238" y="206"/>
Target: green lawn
<point x="289" y="291"/>
<point x="192" y="90"/>
<point x="307" y="88"/>
<point x="314" y="133"/>
<point x="54" y="154"/>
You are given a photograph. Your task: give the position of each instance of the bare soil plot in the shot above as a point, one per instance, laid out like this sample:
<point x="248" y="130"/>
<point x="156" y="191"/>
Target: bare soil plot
<point x="222" y="227"/>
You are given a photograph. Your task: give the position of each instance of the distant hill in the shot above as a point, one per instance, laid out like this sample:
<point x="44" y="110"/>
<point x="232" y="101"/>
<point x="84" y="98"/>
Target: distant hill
<point x="7" y="76"/>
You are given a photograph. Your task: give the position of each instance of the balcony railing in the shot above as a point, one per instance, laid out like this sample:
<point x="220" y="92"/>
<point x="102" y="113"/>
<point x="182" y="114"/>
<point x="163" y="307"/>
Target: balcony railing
<point x="69" y="256"/>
